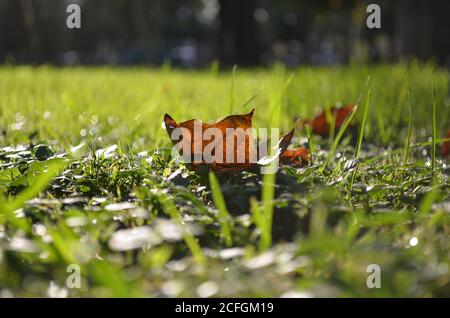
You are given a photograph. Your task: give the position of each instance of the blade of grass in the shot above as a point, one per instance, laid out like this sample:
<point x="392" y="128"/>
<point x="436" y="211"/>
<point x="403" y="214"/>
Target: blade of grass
<point x="260" y="223"/>
<point x="225" y="220"/>
<point x="363" y="124"/>
<point x="256" y="212"/>
<point x="433" y="150"/>
<point x="268" y="187"/>
<point x="188" y="237"/>
<point x="311" y="142"/>
<point x="408" y="137"/>
<point x="233" y="78"/>
<point x="8" y="215"/>
<point x="275" y="107"/>
<point x="109" y="275"/>
<point x="361" y="136"/>
<point x="248" y="101"/>
<point x="62" y="244"/>
<point x="338" y="138"/>
<point x="332" y="123"/>
<point x="268" y="191"/>
<point x="428" y="200"/>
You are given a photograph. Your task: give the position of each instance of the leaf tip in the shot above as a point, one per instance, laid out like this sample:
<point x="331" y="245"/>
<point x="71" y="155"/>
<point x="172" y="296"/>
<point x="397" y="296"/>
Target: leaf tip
<point x="169" y="121"/>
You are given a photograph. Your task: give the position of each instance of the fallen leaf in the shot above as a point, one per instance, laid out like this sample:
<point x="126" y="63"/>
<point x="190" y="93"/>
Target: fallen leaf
<point x="241" y="147"/>
<point x="296" y="157"/>
<point x="320" y="125"/>
<point x="445" y="150"/>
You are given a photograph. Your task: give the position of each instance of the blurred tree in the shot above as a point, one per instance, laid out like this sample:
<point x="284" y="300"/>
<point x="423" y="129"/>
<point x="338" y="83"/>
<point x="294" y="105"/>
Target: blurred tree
<point x="422" y="29"/>
<point x="239" y="40"/>
<point x="246" y="32"/>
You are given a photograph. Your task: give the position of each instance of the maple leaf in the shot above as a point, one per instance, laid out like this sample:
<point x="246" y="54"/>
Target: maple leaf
<point x="232" y="137"/>
<point x="320" y="124"/>
<point x="296" y="157"/>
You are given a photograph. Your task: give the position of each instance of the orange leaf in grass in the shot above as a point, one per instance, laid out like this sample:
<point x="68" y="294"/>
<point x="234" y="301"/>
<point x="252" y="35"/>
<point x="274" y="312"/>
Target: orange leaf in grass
<point x="445" y="149"/>
<point x="232" y="137"/>
<point x="296" y="157"/>
<point x="321" y="126"/>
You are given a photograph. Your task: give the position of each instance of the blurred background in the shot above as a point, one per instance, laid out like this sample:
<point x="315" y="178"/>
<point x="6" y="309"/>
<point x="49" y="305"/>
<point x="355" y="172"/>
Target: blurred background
<point x="195" y="33"/>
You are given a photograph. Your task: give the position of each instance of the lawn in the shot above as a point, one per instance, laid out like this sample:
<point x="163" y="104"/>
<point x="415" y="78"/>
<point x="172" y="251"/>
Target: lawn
<point x="87" y="182"/>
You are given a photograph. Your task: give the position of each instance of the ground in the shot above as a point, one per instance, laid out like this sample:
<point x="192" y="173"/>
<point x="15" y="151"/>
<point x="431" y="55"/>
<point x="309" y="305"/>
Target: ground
<point x="88" y="186"/>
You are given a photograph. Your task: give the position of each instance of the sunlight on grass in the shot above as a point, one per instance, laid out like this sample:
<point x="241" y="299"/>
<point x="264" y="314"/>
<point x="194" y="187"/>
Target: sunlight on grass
<point x="87" y="178"/>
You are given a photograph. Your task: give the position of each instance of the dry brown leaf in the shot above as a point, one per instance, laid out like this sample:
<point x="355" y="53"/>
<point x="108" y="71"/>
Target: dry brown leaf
<point x="243" y="140"/>
<point x="295" y="157"/>
<point x="320" y="125"/>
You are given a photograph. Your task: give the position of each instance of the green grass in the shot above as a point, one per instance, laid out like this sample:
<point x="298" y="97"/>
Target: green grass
<point x="360" y="136"/>
<point x="433" y="135"/>
<point x="223" y="215"/>
<point x="408" y="135"/>
<point x="86" y="178"/>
